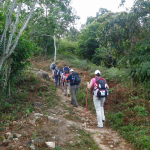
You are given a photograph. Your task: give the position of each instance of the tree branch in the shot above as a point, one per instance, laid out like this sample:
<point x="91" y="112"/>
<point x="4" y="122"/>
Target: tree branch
<point x="47" y="35"/>
<point x="2" y="4"/>
<point x="8" y="19"/>
<point x="23" y="28"/>
<point x="14" y="29"/>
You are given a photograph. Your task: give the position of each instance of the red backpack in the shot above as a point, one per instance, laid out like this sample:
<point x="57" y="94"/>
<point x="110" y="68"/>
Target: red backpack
<point x="66" y="75"/>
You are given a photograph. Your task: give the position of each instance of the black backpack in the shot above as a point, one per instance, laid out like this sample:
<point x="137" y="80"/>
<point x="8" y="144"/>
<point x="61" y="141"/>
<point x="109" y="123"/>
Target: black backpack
<point x="100" y="89"/>
<point x="53" y="66"/>
<point x="76" y="78"/>
<point x="60" y="71"/>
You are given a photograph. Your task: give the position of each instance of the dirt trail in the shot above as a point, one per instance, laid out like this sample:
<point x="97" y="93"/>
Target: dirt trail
<point x="106" y="138"/>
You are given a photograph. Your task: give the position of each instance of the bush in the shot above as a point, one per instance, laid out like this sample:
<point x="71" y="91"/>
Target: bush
<point x="140" y="64"/>
<point x="103" y="57"/>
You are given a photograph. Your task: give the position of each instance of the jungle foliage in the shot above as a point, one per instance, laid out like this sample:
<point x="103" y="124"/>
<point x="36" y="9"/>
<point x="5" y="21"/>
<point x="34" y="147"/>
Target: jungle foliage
<point x="119" y="40"/>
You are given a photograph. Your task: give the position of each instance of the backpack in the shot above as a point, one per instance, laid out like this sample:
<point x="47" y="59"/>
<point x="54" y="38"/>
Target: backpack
<point x="76" y="78"/>
<point x="56" y="72"/>
<point x="60" y="71"/>
<point x="66" y="69"/>
<point x="53" y="66"/>
<point x="100" y="89"/>
<point x="66" y="76"/>
<point x="63" y="76"/>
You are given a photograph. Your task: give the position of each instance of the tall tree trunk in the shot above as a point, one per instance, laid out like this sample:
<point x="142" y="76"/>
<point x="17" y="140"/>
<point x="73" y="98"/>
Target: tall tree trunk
<point x="55" y="49"/>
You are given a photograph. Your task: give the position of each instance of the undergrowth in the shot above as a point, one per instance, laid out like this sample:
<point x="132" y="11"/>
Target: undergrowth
<point x="27" y="87"/>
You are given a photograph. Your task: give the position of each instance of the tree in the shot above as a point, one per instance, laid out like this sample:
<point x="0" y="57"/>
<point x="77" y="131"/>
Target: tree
<point x="58" y="17"/>
<point x="101" y="12"/>
<point x="71" y="34"/>
<point x="12" y="32"/>
<point x="89" y="39"/>
<point x="87" y="42"/>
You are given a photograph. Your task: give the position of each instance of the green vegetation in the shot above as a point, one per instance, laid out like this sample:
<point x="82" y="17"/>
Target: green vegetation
<point x="12" y="108"/>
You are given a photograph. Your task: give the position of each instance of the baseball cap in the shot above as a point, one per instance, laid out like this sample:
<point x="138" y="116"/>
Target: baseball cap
<point x="97" y="72"/>
<point x="71" y="70"/>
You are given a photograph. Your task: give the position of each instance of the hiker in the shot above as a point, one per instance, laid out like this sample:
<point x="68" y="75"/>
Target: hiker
<point x="98" y="101"/>
<point x="56" y="75"/>
<point x="66" y="84"/>
<point x="52" y="67"/>
<point x="66" y="69"/>
<point x="74" y="82"/>
<point x="62" y="81"/>
<point x="60" y="71"/>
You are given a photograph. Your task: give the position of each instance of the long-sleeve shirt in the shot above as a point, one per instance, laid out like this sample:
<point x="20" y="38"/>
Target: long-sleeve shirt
<point x="71" y="81"/>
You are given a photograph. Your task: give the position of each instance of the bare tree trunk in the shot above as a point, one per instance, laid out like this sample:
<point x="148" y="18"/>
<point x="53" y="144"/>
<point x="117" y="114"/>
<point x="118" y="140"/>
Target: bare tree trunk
<point x="55" y="49"/>
<point x="9" y="90"/>
<point x="54" y="38"/>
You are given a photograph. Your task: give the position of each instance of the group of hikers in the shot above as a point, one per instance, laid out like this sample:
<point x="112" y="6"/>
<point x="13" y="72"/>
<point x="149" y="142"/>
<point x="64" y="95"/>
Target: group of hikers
<point x="67" y="78"/>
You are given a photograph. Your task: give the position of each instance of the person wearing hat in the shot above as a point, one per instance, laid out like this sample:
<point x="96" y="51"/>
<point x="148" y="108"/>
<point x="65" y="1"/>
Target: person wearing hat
<point x="98" y="102"/>
<point x="66" y="69"/>
<point x="52" y="67"/>
<point x="74" y="89"/>
<point x="71" y="70"/>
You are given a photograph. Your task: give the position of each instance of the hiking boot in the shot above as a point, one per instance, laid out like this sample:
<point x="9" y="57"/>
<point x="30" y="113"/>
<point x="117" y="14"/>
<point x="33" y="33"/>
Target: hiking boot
<point x="68" y="95"/>
<point x="64" y="94"/>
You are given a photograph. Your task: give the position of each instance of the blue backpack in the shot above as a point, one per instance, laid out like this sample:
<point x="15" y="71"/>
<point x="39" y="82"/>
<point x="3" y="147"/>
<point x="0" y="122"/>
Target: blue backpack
<point x="60" y="71"/>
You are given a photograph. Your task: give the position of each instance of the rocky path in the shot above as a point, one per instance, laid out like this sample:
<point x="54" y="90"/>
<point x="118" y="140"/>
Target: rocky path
<point x="106" y="138"/>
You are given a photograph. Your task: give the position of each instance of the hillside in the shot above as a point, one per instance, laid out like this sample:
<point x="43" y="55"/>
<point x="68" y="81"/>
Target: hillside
<point x="51" y="118"/>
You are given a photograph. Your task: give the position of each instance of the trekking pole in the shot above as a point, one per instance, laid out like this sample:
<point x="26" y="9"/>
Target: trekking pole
<point x="86" y="108"/>
<point x="66" y="91"/>
<point x="62" y="85"/>
<point x="86" y="102"/>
